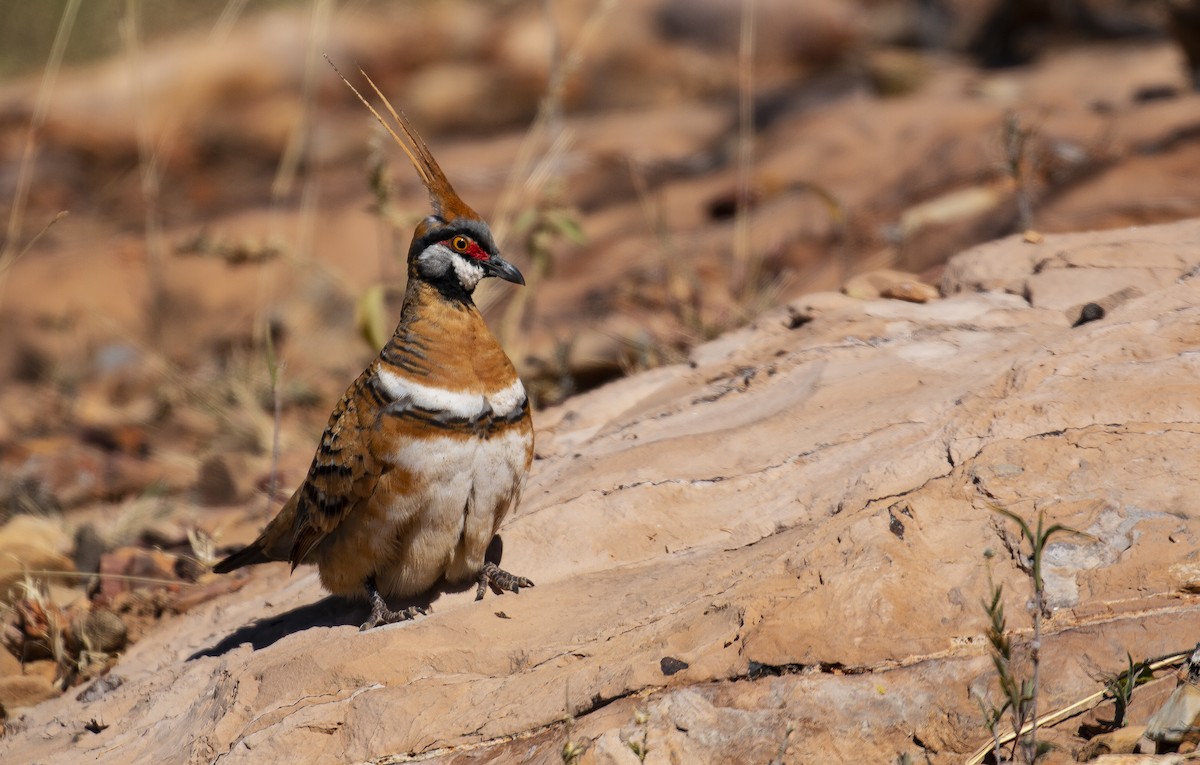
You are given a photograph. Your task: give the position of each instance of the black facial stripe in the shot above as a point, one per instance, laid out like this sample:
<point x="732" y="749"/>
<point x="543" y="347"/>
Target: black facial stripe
<point x="450" y="288"/>
<point x="475" y="229"/>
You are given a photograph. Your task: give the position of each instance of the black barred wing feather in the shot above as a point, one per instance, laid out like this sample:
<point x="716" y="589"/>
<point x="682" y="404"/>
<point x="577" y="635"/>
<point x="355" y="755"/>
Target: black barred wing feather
<point x="345" y="469"/>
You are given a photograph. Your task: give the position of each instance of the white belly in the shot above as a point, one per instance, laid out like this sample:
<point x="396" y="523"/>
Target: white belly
<point x="443" y="529"/>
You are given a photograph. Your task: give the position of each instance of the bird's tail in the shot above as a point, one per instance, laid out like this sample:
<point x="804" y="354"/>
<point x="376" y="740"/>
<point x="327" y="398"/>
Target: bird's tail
<point x="273" y="544"/>
<point x="247" y="556"/>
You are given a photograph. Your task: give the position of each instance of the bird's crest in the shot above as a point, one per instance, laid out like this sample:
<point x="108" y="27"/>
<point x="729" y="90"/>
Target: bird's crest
<point x="447" y="204"/>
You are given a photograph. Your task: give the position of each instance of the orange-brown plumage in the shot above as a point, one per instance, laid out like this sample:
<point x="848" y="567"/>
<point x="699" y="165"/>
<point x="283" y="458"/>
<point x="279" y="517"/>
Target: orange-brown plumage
<point x="427" y="451"/>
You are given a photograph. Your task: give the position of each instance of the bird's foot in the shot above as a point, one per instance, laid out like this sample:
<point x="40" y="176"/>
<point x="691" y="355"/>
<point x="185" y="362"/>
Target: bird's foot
<point x="499" y="580"/>
<point x="381" y="614"/>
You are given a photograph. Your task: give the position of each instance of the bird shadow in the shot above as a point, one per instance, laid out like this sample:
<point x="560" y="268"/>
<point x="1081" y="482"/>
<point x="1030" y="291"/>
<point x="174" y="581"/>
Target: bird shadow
<point x="330" y="611"/>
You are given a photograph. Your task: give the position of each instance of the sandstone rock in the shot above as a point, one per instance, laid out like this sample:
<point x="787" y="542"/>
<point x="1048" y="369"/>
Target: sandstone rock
<point x="797" y="511"/>
<point x="609" y="749"/>
<point x="99" y="630"/>
<point x="1174" y="724"/>
<point x="1065" y="270"/>
<point x="24" y="691"/>
<point x="1187" y="576"/>
<point x="74" y="472"/>
<point x="32" y="547"/>
<point x="35" y="531"/>
<point x="130" y="568"/>
<point x="887" y="283"/>
<point x="1120" y="741"/>
<point x="204" y="591"/>
<point x="46" y="669"/>
<point x="9" y="664"/>
<point x="800" y="513"/>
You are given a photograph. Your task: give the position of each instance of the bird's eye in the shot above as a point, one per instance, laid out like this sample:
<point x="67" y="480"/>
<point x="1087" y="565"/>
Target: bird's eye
<point x="460" y="243"/>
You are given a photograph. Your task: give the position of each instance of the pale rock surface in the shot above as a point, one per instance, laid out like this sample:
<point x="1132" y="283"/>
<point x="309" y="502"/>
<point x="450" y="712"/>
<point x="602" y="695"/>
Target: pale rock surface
<point x="31" y="543"/>
<point x="800" y="514"/>
<point x="1062" y="272"/>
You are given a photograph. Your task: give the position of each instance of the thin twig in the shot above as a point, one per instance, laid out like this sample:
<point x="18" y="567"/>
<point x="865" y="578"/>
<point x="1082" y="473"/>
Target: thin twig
<point x="116" y="577"/>
<point x="8" y="260"/>
<point x="41" y="106"/>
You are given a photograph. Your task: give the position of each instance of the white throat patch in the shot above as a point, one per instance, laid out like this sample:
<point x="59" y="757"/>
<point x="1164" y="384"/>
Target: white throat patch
<point x="469" y="273"/>
<point x="437" y="259"/>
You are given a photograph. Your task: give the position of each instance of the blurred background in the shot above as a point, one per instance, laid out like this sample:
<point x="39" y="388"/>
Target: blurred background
<point x="204" y="232"/>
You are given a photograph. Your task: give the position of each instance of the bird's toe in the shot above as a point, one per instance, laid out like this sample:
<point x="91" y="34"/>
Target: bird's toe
<point x="499" y="581"/>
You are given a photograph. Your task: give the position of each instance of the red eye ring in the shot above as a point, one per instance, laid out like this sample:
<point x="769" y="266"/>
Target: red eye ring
<point x="460" y="243"/>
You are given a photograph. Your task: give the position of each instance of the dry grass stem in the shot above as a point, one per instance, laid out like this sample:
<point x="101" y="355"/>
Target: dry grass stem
<point x="301" y="135"/>
<point x="518" y="186"/>
<point x="41" y="106"/>
<point x="747" y="270"/>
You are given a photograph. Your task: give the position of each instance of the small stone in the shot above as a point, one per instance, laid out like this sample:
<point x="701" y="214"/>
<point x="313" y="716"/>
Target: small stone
<point x="796" y="318"/>
<point x="897" y="72"/>
<point x="887" y="283"/>
<point x="913" y="292"/>
<point x="1186" y="576"/>
<point x="95" y="726"/>
<point x="126" y="438"/>
<point x="99" y="689"/>
<point x="1120" y="741"/>
<point x="1090" y="312"/>
<point x="191" y="597"/>
<point x="89" y="546"/>
<point x="99" y="631"/>
<point x="152" y="566"/>
<point x="214" y="483"/>
<point x="27" y="494"/>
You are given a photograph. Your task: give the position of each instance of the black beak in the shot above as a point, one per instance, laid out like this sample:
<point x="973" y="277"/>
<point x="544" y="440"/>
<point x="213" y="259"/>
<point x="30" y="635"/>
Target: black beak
<point x="497" y="266"/>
